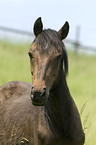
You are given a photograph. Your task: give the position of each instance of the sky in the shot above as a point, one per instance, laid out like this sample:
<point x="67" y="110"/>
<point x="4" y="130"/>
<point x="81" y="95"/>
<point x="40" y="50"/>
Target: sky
<point x="21" y="14"/>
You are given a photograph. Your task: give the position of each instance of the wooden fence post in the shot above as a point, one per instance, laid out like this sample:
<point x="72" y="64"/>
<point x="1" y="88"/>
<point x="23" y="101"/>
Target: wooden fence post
<point x="77" y="43"/>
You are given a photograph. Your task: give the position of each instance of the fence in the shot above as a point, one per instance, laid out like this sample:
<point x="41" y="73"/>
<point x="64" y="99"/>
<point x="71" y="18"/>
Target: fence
<point x="76" y="44"/>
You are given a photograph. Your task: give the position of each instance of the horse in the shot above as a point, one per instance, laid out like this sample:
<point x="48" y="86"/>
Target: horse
<point x="44" y="112"/>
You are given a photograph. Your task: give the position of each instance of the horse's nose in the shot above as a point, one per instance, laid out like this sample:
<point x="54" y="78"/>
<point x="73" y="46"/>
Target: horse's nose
<point x="38" y="97"/>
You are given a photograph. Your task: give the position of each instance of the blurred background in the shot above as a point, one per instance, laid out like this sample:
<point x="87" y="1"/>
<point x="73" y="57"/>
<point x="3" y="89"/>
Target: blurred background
<point x="17" y="18"/>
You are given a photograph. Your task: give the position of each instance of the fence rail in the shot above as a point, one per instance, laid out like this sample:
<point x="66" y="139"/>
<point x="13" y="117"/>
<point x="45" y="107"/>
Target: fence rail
<point x="76" y="44"/>
<point x="15" y="31"/>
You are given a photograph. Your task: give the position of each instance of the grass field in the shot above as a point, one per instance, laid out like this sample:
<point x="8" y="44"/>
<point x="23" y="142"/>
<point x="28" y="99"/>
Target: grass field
<point x="14" y="65"/>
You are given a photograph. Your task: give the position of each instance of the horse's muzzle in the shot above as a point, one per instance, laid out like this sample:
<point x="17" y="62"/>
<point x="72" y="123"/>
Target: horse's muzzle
<point x="38" y="97"/>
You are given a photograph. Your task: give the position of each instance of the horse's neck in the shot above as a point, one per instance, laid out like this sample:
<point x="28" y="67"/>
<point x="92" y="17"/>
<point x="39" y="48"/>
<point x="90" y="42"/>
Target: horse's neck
<point x="62" y="114"/>
<point x="59" y="106"/>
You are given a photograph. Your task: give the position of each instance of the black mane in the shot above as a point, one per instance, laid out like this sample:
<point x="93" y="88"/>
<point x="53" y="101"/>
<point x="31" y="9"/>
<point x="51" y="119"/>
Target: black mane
<point x="49" y="41"/>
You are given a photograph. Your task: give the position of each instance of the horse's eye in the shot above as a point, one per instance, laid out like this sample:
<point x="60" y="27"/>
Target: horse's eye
<point x="32" y="73"/>
<point x="30" y="54"/>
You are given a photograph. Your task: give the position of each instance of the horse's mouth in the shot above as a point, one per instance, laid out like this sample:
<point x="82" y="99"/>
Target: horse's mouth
<point x="38" y="99"/>
<point x="38" y="103"/>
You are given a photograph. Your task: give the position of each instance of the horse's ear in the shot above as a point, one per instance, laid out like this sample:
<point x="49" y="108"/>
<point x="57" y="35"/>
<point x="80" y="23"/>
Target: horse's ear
<point x="63" y="32"/>
<point x="38" y="26"/>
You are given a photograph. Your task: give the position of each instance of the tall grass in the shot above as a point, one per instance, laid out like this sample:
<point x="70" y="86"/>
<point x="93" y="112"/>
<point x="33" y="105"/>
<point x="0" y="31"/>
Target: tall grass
<point x="14" y="65"/>
<point x="14" y="62"/>
<point x="82" y="84"/>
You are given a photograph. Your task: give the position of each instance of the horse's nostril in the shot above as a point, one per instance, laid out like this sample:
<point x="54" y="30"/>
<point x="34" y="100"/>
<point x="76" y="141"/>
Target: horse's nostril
<point x="32" y="87"/>
<point x="44" y="89"/>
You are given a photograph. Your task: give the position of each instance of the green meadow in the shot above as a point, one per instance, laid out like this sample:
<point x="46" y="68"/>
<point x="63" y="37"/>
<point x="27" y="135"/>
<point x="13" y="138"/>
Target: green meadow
<point x="15" y="65"/>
